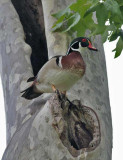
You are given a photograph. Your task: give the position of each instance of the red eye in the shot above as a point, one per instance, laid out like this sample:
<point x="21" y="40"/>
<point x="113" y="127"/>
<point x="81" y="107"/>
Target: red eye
<point x="84" y="40"/>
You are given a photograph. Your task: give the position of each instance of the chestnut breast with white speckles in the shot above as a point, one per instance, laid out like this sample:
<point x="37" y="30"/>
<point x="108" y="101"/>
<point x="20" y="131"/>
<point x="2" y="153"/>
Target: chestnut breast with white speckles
<point x="73" y="62"/>
<point x="63" y="75"/>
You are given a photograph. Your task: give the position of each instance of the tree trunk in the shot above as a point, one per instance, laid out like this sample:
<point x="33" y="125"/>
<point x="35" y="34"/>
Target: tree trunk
<point x="44" y="128"/>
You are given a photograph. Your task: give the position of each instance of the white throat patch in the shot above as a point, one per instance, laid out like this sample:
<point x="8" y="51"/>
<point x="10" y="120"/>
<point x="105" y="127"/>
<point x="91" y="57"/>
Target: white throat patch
<point x="79" y="49"/>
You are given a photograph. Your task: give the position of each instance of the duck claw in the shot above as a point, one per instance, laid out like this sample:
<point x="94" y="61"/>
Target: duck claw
<point x="58" y="93"/>
<point x="62" y="97"/>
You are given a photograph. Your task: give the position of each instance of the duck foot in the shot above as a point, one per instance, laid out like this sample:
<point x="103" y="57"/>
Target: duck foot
<point x="61" y="96"/>
<point x="65" y="102"/>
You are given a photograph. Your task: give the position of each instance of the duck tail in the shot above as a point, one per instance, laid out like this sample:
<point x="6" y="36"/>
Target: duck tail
<point x="29" y="93"/>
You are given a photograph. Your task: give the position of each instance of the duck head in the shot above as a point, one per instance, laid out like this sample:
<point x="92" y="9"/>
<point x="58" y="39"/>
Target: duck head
<point x="80" y="42"/>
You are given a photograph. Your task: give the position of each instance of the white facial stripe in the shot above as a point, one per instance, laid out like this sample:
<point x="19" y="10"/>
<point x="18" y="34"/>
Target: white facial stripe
<point x="74" y="43"/>
<point x="68" y="51"/>
<point x="78" y="48"/>
<point x="60" y="64"/>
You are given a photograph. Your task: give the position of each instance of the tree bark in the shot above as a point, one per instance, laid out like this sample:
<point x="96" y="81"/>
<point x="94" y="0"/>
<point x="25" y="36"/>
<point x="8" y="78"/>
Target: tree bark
<point x="34" y="128"/>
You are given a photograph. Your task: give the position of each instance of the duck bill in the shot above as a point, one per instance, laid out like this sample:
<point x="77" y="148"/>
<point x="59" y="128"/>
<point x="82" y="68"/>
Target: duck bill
<point x="91" y="47"/>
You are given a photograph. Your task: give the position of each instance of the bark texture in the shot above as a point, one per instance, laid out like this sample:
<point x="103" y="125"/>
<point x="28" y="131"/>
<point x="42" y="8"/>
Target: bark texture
<point x="31" y="134"/>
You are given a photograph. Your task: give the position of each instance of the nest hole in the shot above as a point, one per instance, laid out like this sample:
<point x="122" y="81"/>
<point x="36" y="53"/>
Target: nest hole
<point x="78" y="127"/>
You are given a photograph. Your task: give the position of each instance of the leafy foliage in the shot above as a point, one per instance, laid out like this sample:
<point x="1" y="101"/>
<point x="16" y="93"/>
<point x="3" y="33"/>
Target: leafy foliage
<point x="78" y="17"/>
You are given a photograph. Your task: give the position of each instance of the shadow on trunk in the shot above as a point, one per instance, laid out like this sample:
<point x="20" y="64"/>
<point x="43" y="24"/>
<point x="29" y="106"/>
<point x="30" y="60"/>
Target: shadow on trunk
<point x="31" y="16"/>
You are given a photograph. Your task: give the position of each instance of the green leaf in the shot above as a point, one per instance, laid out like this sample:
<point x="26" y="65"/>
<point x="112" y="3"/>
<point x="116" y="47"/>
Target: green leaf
<point x="105" y="34"/>
<point x="85" y="23"/>
<point x="58" y="24"/>
<point x="93" y="1"/>
<point x="113" y="7"/>
<point x="80" y="6"/>
<point x="80" y="28"/>
<point x="121" y="9"/>
<point x="77" y="18"/>
<point x="120" y="2"/>
<point x="114" y="36"/>
<point x="59" y="14"/>
<point x="101" y="14"/>
<point x="119" y="48"/>
<point x="72" y="21"/>
<point x="65" y="24"/>
<point x="91" y="9"/>
<point x="57" y="27"/>
<point x="98" y="30"/>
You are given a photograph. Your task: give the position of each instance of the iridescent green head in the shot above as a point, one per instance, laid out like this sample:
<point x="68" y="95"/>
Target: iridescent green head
<point x="79" y="42"/>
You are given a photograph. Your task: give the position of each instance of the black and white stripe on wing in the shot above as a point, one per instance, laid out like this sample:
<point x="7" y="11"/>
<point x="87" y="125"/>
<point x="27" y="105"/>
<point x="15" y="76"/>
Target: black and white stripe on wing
<point x="58" y="60"/>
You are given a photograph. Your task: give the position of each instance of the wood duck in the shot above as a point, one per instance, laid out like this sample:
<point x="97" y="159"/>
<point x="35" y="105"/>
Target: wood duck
<point x="60" y="72"/>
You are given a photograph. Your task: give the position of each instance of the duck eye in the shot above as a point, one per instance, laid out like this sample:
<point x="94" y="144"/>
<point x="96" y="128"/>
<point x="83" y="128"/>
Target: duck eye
<point x="84" y="40"/>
